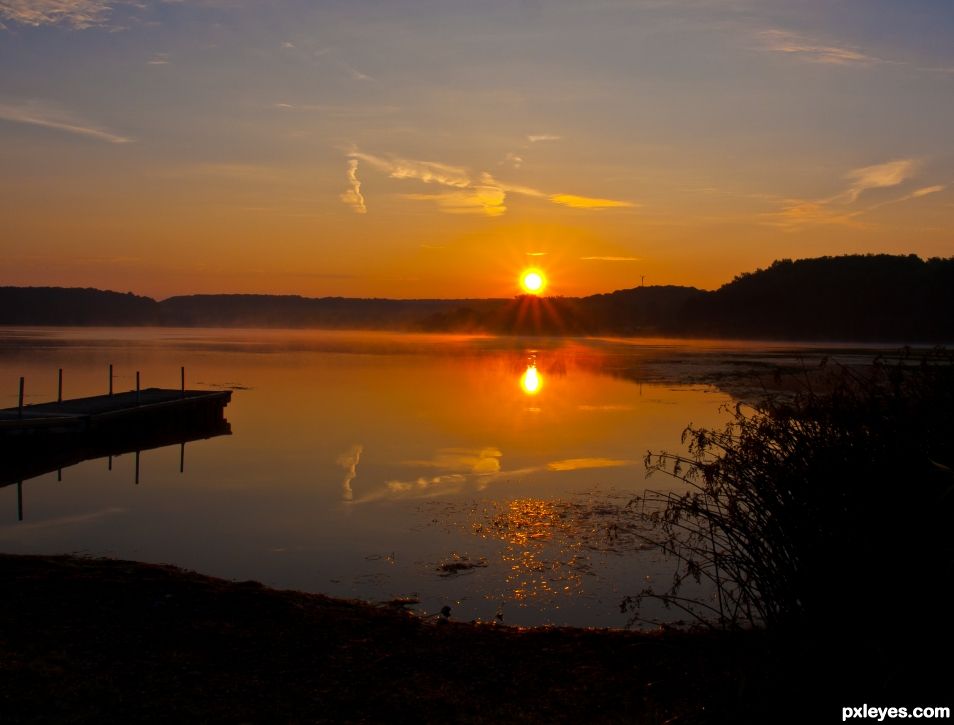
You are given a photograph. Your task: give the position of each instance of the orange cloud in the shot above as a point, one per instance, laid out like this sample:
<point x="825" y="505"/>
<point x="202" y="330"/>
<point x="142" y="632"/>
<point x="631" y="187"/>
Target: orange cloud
<point x="586" y="202"/>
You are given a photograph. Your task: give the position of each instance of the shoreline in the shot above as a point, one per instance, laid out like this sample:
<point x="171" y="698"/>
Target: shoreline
<point x="94" y="640"/>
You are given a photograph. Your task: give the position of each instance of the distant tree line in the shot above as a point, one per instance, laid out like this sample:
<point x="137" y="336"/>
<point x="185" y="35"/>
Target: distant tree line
<point x="854" y="297"/>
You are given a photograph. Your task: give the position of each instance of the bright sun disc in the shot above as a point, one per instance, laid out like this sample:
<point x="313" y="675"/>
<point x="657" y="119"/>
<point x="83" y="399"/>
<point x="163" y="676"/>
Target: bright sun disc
<point x="533" y="281"/>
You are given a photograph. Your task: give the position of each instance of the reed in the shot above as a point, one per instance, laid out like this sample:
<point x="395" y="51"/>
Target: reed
<point x="826" y="506"/>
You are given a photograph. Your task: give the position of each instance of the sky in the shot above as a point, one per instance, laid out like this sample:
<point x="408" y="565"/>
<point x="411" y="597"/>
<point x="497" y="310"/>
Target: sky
<point x="435" y="148"/>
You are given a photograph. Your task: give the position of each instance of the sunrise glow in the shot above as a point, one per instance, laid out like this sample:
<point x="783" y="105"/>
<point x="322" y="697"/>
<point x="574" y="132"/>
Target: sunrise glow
<point x="389" y="183"/>
<point x="533" y="281"/>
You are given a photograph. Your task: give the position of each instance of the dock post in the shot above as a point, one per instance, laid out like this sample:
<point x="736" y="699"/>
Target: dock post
<point x="137" y="386"/>
<point x="110" y="378"/>
<point x="109" y="464"/>
<point x="20" y="403"/>
<point x="59" y="474"/>
<point x="137" y="468"/>
<point x="182" y="380"/>
<point x="59" y="387"/>
<point x="182" y="457"/>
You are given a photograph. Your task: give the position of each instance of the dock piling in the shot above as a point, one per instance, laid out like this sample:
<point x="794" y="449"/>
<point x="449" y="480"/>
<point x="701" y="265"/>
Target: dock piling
<point x="110" y="378"/>
<point x="20" y="403"/>
<point x="59" y="386"/>
<point x="137" y="387"/>
<point x="182" y="380"/>
<point x="182" y="457"/>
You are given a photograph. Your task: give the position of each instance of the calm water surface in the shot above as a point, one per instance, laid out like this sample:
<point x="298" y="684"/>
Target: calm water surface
<point x="490" y="475"/>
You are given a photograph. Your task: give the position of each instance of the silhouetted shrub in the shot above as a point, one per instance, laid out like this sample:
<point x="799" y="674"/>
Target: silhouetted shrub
<point x="830" y="507"/>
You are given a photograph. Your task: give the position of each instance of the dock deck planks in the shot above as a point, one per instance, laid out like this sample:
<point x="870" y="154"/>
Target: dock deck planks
<point x="90" y="412"/>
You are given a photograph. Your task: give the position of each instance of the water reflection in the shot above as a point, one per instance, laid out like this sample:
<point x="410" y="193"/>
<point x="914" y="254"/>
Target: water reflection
<point x="21" y="461"/>
<point x="349" y="461"/>
<point x="531" y="381"/>
<point x="549" y="545"/>
<point x="530" y="527"/>
<point x="345" y="438"/>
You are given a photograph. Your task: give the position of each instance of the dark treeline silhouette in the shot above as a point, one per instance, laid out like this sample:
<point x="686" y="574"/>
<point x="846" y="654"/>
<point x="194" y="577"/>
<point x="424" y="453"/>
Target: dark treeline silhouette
<point x="74" y="306"/>
<point x="296" y="311"/>
<point x="870" y="297"/>
<point x="856" y="297"/>
<point x="853" y="297"/>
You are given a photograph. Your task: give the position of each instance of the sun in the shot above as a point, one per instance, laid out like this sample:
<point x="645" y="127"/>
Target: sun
<point x="533" y="281"/>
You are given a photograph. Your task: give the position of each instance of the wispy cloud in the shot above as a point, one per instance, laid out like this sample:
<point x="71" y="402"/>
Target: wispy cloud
<point x="798" y="212"/>
<point x="842" y="208"/>
<point x="878" y="176"/>
<point x="352" y="195"/>
<point x="48" y="116"/>
<point x="481" y="194"/>
<point x="925" y="191"/>
<point x="783" y="41"/>
<point x="330" y="55"/>
<point x="916" y="194"/>
<point x="611" y="259"/>
<point x="514" y="160"/>
<point x="355" y="73"/>
<point x="487" y="200"/>
<point x="776" y="40"/>
<point x="538" y="137"/>
<point x="158" y="59"/>
<point x="429" y="172"/>
<point x="77" y="14"/>
<point x="587" y="202"/>
<point x="349" y="462"/>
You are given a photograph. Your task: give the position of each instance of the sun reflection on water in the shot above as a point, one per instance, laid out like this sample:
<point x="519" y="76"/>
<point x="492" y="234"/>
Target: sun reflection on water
<point x="551" y="551"/>
<point x="531" y="381"/>
<point x="540" y="559"/>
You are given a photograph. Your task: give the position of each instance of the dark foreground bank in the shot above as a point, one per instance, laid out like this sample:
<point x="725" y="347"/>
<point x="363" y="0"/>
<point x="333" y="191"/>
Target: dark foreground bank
<point x="93" y="640"/>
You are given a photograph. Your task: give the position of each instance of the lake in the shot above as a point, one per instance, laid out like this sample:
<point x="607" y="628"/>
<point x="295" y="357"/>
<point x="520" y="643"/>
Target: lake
<point x="490" y="475"/>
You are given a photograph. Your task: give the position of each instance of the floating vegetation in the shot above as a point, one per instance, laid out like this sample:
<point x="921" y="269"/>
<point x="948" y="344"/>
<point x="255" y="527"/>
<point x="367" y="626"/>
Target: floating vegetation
<point x="459" y="563"/>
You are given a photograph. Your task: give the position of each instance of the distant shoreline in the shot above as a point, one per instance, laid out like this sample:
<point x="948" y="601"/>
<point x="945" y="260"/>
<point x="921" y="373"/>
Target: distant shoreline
<point x="855" y="298"/>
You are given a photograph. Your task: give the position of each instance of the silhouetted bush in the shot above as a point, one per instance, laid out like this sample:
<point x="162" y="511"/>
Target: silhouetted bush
<point x="831" y="507"/>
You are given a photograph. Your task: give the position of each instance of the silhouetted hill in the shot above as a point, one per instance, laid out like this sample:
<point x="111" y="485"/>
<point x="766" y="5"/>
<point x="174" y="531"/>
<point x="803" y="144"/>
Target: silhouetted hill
<point x="856" y="297"/>
<point x="852" y="297"/>
<point x="74" y="306"/>
<point x="296" y="311"/>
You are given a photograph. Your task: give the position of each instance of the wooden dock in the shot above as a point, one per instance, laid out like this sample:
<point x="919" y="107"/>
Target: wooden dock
<point x="151" y="407"/>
